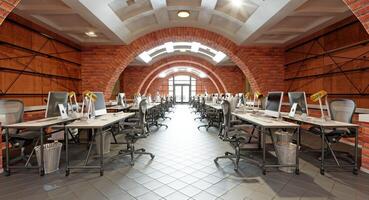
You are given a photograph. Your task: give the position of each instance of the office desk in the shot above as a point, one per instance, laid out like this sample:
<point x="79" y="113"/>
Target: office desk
<point x="216" y="106"/>
<point x="264" y="124"/>
<point x="328" y="125"/>
<point x="40" y="124"/>
<point x="94" y="124"/>
<point x="119" y="107"/>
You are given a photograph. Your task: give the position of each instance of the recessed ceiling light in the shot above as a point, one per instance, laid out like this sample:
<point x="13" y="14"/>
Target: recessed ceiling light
<point x="183" y="13"/>
<point x="237" y="2"/>
<point x="91" y="34"/>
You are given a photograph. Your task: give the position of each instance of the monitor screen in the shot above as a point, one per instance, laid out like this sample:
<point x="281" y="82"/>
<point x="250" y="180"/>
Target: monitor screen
<point x="55" y="98"/>
<point x="274" y="101"/>
<point x="300" y="99"/>
<point x="100" y="108"/>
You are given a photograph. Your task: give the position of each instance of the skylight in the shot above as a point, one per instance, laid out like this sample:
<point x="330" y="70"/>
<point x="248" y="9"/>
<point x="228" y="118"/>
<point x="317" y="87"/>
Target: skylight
<point x="172" y="70"/>
<point x="171" y="47"/>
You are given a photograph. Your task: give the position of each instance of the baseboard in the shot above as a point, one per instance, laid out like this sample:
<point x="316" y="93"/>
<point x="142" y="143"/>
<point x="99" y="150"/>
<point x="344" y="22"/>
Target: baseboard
<point x="364" y="170"/>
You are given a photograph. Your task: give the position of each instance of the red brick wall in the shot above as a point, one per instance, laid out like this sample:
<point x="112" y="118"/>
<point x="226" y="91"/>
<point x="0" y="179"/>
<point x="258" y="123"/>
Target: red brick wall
<point x="336" y="40"/>
<point x="102" y="66"/>
<point x="361" y="10"/>
<point x="6" y="6"/>
<point x="139" y="78"/>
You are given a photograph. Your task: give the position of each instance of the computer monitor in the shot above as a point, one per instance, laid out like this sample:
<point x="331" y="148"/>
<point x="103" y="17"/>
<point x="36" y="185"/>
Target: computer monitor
<point x="300" y="99"/>
<point x="242" y="100"/>
<point x="121" y="99"/>
<point x="100" y="108"/>
<point x="53" y="100"/>
<point x="273" y="104"/>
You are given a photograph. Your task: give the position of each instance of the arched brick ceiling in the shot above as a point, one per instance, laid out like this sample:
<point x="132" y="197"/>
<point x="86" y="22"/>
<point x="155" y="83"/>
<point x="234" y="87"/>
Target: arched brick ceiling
<point x="275" y="22"/>
<point x="106" y="63"/>
<point x="161" y="66"/>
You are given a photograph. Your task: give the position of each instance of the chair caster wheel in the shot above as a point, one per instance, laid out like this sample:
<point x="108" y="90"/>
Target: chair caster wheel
<point x="42" y="173"/>
<point x="355" y="172"/>
<point x="297" y="171"/>
<point x="67" y="172"/>
<point x="322" y="171"/>
<point x="101" y="173"/>
<point x="7" y="172"/>
<point x="264" y="172"/>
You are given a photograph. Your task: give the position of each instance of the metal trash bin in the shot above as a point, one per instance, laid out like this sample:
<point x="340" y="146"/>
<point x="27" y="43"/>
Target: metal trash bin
<point x="285" y="150"/>
<point x="106" y="142"/>
<point x="51" y="156"/>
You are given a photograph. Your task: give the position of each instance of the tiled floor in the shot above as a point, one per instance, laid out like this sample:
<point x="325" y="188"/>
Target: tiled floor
<point x="184" y="169"/>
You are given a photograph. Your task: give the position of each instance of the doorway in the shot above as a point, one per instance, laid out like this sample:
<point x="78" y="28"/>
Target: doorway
<point x="182" y="87"/>
<point x="182" y="93"/>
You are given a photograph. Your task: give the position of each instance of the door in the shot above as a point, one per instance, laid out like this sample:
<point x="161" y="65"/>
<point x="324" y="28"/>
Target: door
<point x="182" y="93"/>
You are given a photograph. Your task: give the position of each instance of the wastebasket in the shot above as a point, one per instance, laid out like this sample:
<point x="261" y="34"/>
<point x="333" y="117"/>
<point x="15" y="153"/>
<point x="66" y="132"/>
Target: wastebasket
<point x="106" y="142"/>
<point x="285" y="150"/>
<point x="51" y="156"/>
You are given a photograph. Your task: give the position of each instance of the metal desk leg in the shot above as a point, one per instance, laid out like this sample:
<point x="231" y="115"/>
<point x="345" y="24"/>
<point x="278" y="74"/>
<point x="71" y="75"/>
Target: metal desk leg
<point x="264" y="150"/>
<point x="42" y="169"/>
<point x="297" y="170"/>
<point x="101" y="153"/>
<point x="322" y="149"/>
<point x="7" y="169"/>
<point x="356" y="150"/>
<point x="66" y="136"/>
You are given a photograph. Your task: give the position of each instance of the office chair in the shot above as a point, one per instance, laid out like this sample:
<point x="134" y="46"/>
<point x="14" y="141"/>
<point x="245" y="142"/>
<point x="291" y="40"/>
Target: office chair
<point x="341" y="110"/>
<point x="201" y="109"/>
<point x="11" y="112"/>
<point x="136" y="132"/>
<point x="232" y="134"/>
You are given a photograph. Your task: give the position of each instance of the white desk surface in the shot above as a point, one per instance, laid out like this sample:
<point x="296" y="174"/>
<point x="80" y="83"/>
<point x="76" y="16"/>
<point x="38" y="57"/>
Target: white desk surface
<point x="319" y="122"/>
<point x="119" y="107"/>
<point x="100" y="122"/>
<point x="264" y="121"/>
<point x="214" y="105"/>
<point x="40" y="123"/>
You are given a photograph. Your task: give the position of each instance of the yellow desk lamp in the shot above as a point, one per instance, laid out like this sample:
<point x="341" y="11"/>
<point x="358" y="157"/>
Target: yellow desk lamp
<point x="257" y="96"/>
<point x="72" y="98"/>
<point x="89" y="97"/>
<point x="318" y="97"/>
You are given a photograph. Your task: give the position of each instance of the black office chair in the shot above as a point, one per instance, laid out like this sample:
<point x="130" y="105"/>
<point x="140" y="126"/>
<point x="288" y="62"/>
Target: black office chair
<point x="341" y="110"/>
<point x="232" y="134"/>
<point x="12" y="112"/>
<point x="136" y="132"/>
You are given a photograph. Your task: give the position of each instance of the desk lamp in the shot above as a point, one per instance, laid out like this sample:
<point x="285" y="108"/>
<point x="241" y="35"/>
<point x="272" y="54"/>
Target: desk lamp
<point x="247" y="98"/>
<point x="318" y="97"/>
<point x="257" y="96"/>
<point x="72" y="98"/>
<point x="89" y="97"/>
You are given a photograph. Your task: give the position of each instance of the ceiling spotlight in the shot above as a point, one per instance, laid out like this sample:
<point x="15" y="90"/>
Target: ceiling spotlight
<point x="91" y="34"/>
<point x="237" y="3"/>
<point x="183" y="13"/>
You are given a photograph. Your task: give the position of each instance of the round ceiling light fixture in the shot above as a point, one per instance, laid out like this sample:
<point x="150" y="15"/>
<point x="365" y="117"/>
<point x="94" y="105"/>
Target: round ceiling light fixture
<point x="183" y="13"/>
<point x="91" y="34"/>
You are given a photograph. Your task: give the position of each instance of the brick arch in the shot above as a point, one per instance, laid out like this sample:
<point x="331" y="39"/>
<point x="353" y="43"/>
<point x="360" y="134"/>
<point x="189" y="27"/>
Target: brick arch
<point x="155" y="75"/>
<point x="116" y="58"/>
<point x="184" y="60"/>
<point x="151" y="90"/>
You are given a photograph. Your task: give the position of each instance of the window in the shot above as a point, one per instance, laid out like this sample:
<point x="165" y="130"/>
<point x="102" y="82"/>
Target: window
<point x="182" y="80"/>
